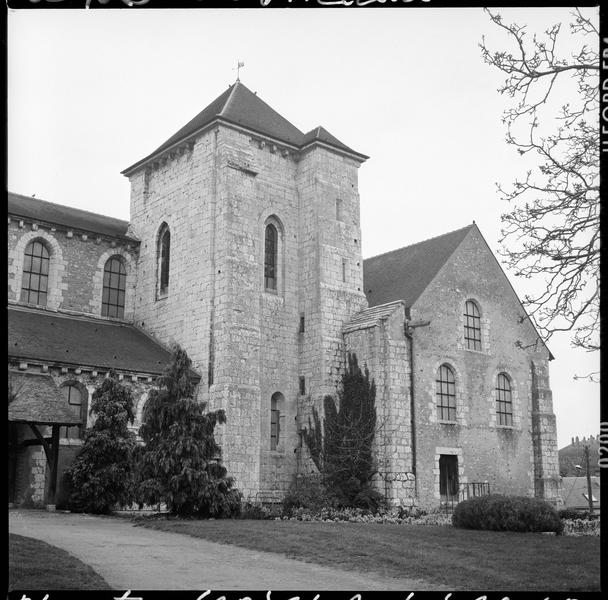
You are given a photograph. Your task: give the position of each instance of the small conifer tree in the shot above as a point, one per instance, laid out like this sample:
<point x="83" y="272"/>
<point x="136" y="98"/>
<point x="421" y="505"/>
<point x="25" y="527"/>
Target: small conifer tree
<point x="344" y="452"/>
<point x="179" y="463"/>
<point x="101" y="476"/>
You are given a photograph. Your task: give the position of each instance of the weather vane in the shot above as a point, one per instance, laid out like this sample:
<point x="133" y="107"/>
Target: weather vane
<point x="239" y="64"/>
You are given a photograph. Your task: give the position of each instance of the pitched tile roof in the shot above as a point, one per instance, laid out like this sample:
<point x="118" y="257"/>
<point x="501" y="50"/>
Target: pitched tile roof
<point x="321" y="134"/>
<point x="574" y="491"/>
<point x="372" y="316"/>
<point x="56" y="338"/>
<point x="57" y="214"/>
<point x="405" y="273"/>
<point x="240" y="106"/>
<point x="38" y="400"/>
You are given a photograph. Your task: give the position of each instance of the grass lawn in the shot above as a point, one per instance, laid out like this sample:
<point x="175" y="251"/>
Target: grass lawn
<point x="36" y="565"/>
<point x="459" y="558"/>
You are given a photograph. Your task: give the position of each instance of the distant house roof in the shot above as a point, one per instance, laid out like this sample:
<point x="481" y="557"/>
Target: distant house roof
<point x="57" y="214"/>
<point x="575" y="492"/>
<point x="405" y="273"/>
<point x="372" y="316"/>
<point x="240" y="106"/>
<point x="57" y="338"/>
<point x="37" y="400"/>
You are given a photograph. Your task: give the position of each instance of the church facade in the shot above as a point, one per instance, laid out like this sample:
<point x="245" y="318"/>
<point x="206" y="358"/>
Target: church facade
<point x="244" y="246"/>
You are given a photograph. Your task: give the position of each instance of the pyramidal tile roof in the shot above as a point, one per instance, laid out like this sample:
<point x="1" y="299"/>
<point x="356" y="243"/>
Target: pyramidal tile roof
<point x="322" y="135"/>
<point x="240" y="106"/>
<point x="405" y="273"/>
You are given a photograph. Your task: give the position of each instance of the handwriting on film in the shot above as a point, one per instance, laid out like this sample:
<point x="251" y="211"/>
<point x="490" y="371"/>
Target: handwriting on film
<point x="205" y="595"/>
<point x="132" y="3"/>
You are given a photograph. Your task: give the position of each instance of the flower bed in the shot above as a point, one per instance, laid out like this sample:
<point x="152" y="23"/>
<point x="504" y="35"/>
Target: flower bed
<point x="578" y="527"/>
<point x="358" y="515"/>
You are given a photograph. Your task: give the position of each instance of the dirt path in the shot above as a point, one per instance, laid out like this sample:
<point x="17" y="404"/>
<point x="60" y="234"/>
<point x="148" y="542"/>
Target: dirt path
<point x="137" y="558"/>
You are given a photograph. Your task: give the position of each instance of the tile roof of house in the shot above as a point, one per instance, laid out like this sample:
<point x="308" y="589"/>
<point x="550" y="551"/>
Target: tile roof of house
<point x="574" y="492"/>
<point x="56" y="338"/>
<point x="240" y="106"/>
<point x="73" y="218"/>
<point x="372" y="316"/>
<point x="405" y="273"/>
<point x="37" y="400"/>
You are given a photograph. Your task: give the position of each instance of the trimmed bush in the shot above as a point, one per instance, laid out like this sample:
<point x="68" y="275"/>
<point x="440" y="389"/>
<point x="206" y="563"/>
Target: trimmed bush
<point x="507" y="513"/>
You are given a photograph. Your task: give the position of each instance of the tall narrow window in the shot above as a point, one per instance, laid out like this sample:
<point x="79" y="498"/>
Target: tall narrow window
<point x="164" y="252"/>
<point x="504" y="401"/>
<point x="270" y="257"/>
<point x="114" y="285"/>
<point x="77" y="404"/>
<point x="446" y="394"/>
<point x="34" y="286"/>
<point x="472" y="326"/>
<point x="338" y="209"/>
<point x="275" y="418"/>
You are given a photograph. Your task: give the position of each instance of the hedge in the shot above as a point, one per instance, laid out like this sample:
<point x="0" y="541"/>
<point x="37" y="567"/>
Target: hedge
<point x="507" y="513"/>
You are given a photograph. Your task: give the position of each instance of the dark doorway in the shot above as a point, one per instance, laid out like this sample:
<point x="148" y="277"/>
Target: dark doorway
<point x="448" y="476"/>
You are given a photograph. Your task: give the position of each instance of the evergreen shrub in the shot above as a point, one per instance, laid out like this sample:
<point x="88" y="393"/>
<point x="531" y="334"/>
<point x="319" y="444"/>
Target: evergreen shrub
<point x="101" y="477"/>
<point x="507" y="513"/>
<point x="180" y="462"/>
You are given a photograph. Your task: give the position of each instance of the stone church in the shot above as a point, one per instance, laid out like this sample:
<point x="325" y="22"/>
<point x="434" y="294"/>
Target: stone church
<point x="244" y="246"/>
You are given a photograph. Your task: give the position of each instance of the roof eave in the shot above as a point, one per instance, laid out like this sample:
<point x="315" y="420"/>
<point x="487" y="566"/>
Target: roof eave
<point x="361" y="158"/>
<point x="55" y="224"/>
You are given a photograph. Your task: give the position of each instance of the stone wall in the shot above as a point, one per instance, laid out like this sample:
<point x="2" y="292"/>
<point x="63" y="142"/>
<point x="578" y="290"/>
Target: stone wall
<point x="77" y="261"/>
<point x="487" y="452"/>
<point x="384" y="349"/>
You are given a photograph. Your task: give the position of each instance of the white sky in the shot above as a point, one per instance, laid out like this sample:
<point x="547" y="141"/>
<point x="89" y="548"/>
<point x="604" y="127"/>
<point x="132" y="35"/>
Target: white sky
<point x="91" y="92"/>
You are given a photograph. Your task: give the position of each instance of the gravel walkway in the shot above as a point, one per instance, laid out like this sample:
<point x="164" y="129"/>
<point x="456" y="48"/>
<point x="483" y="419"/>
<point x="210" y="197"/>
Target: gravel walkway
<point x="137" y="558"/>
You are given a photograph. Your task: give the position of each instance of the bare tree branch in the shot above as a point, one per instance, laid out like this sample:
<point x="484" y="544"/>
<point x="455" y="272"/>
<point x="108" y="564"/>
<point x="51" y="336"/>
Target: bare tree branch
<point x="551" y="229"/>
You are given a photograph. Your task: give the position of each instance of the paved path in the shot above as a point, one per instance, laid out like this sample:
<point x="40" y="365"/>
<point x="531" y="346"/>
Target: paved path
<point x="138" y="558"/>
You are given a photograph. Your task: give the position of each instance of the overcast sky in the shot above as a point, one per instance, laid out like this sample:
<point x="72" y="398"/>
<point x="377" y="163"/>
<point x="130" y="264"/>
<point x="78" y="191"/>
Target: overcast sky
<point x="91" y="92"/>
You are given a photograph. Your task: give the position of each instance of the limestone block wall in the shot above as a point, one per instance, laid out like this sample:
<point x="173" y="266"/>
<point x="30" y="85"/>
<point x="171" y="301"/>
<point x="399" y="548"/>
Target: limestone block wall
<point x="178" y="191"/>
<point x="330" y="271"/>
<point x="384" y="349"/>
<point x="547" y="481"/>
<point x="486" y="452"/>
<point x="77" y="261"/>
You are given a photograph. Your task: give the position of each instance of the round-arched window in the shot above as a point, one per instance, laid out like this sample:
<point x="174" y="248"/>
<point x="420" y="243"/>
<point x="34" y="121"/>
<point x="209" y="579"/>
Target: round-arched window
<point x="35" y="281"/>
<point x="114" y="286"/>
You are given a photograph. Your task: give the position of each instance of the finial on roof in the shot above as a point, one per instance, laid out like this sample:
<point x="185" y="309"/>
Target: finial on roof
<point x="239" y="64"/>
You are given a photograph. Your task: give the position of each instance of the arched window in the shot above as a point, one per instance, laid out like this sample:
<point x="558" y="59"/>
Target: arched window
<point x="472" y="325"/>
<point x="446" y="394"/>
<point x="164" y="251"/>
<point x="34" y="286"/>
<point x="275" y="418"/>
<point x="504" y="401"/>
<point x="271" y="245"/>
<point x="76" y="399"/>
<point x="114" y="285"/>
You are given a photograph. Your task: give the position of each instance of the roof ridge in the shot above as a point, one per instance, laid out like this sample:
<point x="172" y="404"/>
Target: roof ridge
<point x="82" y="210"/>
<point x="421" y="242"/>
<point x="229" y="99"/>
